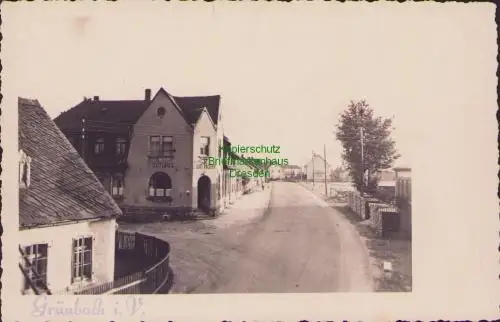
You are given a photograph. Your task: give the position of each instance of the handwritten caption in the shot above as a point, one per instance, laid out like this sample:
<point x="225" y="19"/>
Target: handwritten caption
<point x="129" y="306"/>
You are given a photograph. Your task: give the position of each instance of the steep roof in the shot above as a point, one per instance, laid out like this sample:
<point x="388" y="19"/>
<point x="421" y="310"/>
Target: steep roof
<point x="192" y="106"/>
<point x="320" y="157"/>
<point x="104" y="113"/>
<point x="107" y="114"/>
<point x="63" y="189"/>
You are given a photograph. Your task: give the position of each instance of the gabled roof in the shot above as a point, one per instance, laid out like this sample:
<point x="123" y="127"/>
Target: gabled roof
<point x="320" y="157"/>
<point x="111" y="114"/>
<point x="104" y="113"/>
<point x="193" y="106"/>
<point x="63" y="189"/>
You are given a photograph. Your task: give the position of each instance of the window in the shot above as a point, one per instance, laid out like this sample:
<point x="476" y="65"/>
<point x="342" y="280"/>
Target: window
<point x="117" y="186"/>
<point x="121" y="146"/>
<point x="204" y="145"/>
<point x="82" y="259"/>
<point x="160" y="111"/>
<point x="99" y="146"/>
<point x="160" y="146"/>
<point x="24" y="169"/>
<point x="154" y="145"/>
<point x="35" y="263"/>
<point x="167" y="146"/>
<point x="160" y="185"/>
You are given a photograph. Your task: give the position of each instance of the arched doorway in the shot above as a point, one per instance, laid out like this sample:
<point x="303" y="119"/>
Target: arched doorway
<point x="204" y="199"/>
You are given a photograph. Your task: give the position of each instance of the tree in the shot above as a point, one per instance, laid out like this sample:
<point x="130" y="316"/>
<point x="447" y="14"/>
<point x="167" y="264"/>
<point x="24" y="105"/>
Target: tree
<point x="357" y="127"/>
<point x="245" y="179"/>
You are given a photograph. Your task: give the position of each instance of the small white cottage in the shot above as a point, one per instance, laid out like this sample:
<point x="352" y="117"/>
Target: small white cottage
<point x="66" y="217"/>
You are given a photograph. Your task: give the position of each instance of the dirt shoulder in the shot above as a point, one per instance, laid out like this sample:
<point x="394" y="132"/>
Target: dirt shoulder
<point x="395" y="250"/>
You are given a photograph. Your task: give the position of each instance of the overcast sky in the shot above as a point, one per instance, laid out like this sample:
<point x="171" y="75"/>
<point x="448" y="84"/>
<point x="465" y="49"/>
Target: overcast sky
<point x="285" y="72"/>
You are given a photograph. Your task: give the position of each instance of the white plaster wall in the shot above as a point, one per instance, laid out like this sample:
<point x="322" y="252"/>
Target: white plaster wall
<point x="205" y="127"/>
<point x="139" y="170"/>
<point x="60" y="239"/>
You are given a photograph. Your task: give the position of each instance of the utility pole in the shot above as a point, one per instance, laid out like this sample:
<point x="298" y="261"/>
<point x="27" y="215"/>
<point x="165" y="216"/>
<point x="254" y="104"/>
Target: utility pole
<point x="313" y="169"/>
<point x="361" y="135"/>
<point x="83" y="139"/>
<point x="324" y="155"/>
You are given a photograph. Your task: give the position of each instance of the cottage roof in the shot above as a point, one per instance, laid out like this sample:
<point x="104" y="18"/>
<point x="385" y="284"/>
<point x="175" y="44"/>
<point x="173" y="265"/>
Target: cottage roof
<point x="63" y="189"/>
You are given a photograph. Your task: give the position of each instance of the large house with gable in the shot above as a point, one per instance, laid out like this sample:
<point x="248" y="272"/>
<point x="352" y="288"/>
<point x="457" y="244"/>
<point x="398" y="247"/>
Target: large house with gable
<point x="66" y="218"/>
<point x="315" y="168"/>
<point x="151" y="153"/>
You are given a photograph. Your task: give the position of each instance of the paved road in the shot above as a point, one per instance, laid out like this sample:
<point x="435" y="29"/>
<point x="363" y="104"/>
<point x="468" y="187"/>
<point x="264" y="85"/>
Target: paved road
<point x="298" y="245"/>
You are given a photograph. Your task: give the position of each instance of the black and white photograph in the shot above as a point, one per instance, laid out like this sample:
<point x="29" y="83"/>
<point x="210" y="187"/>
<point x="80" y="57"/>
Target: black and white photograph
<point x="245" y="149"/>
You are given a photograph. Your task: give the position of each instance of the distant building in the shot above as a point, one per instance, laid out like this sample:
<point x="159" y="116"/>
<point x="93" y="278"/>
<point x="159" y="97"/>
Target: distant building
<point x="403" y="197"/>
<point x="276" y="172"/>
<point x="292" y="171"/>
<point x="386" y="178"/>
<point x="403" y="182"/>
<point x="66" y="218"/>
<point x="316" y="167"/>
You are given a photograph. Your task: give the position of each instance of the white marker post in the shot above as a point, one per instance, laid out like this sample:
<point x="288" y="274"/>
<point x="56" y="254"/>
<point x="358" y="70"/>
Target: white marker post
<point x="387" y="269"/>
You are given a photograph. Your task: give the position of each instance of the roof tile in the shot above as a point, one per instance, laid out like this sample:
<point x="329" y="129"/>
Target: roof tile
<point x="62" y="187"/>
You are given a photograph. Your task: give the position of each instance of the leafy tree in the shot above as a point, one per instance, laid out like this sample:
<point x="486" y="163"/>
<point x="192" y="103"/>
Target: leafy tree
<point x="245" y="179"/>
<point x="379" y="152"/>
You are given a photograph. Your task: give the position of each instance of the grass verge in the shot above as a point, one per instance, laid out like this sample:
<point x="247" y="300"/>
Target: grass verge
<point x="393" y="249"/>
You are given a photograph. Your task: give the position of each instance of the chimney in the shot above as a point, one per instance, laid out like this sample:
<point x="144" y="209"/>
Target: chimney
<point x="96" y="98"/>
<point x="147" y="97"/>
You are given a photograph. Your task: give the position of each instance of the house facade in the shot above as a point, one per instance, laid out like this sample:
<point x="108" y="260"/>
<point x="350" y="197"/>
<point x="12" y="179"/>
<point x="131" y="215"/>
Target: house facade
<point x="152" y="152"/>
<point x="66" y="218"/>
<point x="276" y="172"/>
<point x="292" y="171"/>
<point x="403" y="197"/>
<point x="176" y="145"/>
<point x="315" y="168"/>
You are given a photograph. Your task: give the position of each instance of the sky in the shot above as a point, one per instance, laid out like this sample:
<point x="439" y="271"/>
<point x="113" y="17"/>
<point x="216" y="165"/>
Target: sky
<point x="284" y="72"/>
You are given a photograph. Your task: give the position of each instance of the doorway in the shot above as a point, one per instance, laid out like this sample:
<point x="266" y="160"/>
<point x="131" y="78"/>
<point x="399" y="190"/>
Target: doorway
<point x="204" y="196"/>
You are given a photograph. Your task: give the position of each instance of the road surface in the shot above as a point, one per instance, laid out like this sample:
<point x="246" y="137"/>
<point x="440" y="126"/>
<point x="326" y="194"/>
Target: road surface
<point x="299" y="244"/>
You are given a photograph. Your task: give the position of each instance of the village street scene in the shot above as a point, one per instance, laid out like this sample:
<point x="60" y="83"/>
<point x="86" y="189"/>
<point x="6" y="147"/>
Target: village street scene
<point x="277" y="228"/>
<point x="172" y="172"/>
